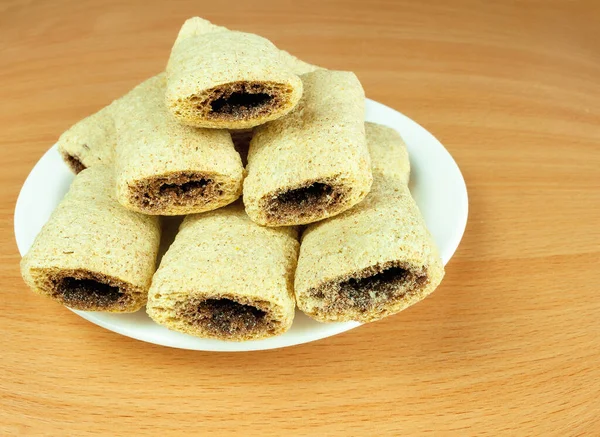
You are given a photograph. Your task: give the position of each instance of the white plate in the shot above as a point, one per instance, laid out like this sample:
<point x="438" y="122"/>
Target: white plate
<point x="436" y="184"/>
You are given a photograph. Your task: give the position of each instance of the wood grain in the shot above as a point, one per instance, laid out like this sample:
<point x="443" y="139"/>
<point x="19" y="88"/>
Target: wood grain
<point x="508" y="345"/>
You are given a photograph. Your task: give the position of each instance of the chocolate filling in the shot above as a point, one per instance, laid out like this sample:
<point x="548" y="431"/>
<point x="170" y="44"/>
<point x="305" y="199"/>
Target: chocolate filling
<point x="225" y="317"/>
<point x="239" y="102"/>
<point x="74" y="163"/>
<point x="87" y="293"/>
<point x="370" y="289"/>
<point x="362" y="291"/>
<point x="307" y="201"/>
<point x="301" y="196"/>
<point x="186" y="187"/>
<point x="178" y="189"/>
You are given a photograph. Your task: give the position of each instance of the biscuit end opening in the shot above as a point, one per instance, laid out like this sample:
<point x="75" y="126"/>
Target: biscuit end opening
<point x="314" y="200"/>
<point x="157" y="194"/>
<point x="228" y="319"/>
<point x="239" y="102"/>
<point x="243" y="100"/>
<point x="183" y="189"/>
<point x="88" y="291"/>
<point x="369" y="291"/>
<point x="361" y="292"/>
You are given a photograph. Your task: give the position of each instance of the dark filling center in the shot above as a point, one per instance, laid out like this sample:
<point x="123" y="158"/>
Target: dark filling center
<point x="185" y="188"/>
<point x="313" y="193"/>
<point x="87" y="293"/>
<point x="238" y="102"/>
<point x="180" y="189"/>
<point x="75" y="164"/>
<point x="380" y="286"/>
<point x="226" y="316"/>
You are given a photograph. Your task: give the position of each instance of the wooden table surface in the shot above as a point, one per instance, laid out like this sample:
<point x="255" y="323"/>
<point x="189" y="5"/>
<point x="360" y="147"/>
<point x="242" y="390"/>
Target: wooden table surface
<point x="510" y="342"/>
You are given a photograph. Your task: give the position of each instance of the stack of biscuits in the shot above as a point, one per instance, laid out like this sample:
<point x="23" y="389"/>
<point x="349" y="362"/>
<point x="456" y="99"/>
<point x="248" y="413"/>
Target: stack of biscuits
<point x="290" y="199"/>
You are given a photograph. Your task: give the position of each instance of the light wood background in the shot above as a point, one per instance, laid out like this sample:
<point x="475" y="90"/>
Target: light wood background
<point x="510" y="342"/>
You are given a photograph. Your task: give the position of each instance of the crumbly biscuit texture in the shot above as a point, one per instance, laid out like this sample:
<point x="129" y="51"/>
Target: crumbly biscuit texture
<point x="163" y="167"/>
<point x="313" y="163"/>
<point x="93" y="254"/>
<point x="225" y="277"/>
<point x="375" y="259"/>
<point x="228" y="79"/>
